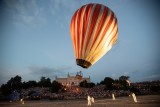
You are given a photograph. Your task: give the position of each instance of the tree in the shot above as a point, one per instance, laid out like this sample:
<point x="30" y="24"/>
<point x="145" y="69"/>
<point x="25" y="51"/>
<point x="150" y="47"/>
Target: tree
<point x="116" y="84"/>
<point x="29" y="84"/>
<point x="108" y="81"/>
<point x="13" y="84"/>
<point x="48" y="82"/>
<point x="123" y="78"/>
<point x="56" y="86"/>
<point x="45" y="82"/>
<point x="91" y="85"/>
<point x="5" y="89"/>
<point x="102" y="82"/>
<point x="123" y="82"/>
<point x="83" y="84"/>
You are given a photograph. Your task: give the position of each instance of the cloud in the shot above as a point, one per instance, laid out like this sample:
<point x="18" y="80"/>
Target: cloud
<point x="32" y="73"/>
<point x="48" y="72"/>
<point x="153" y="77"/>
<point x="131" y="72"/>
<point x="57" y="6"/>
<point x="34" y="13"/>
<point x="62" y="11"/>
<point x="25" y="12"/>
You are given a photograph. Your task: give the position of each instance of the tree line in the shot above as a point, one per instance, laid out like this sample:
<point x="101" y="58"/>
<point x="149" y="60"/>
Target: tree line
<point x="15" y="83"/>
<point x="111" y="84"/>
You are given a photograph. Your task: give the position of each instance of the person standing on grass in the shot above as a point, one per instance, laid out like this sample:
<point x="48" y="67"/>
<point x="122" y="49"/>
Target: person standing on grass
<point x="92" y="99"/>
<point x="134" y="97"/>
<point x="113" y="97"/>
<point x="89" y="100"/>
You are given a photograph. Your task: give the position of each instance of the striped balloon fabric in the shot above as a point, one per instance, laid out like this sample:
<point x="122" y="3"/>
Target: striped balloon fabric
<point x="94" y="31"/>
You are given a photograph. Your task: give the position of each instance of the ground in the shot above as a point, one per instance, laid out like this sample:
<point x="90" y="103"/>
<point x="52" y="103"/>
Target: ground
<point x="143" y="101"/>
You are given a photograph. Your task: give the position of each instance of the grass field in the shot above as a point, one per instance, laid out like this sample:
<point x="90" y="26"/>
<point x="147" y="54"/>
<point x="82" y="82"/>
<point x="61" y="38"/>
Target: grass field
<point x="143" y="101"/>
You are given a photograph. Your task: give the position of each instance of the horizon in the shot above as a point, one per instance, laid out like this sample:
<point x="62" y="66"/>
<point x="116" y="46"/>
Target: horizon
<point x="73" y="75"/>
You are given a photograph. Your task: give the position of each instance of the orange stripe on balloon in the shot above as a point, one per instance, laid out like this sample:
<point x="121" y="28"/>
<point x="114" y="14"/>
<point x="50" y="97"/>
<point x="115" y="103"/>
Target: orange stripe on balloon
<point x="81" y="30"/>
<point x="106" y="29"/>
<point x="101" y="24"/>
<point x="93" y="22"/>
<point x="87" y="15"/>
<point x="72" y="30"/>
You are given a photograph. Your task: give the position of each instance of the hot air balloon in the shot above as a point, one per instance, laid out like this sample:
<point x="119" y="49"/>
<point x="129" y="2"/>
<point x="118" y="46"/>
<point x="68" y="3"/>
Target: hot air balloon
<point x="94" y="31"/>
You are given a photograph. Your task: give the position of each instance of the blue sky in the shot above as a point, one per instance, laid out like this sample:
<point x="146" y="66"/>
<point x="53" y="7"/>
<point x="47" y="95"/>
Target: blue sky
<point x="35" y="40"/>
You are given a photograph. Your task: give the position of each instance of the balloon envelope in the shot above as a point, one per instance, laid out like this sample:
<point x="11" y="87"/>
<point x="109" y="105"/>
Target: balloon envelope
<point x="94" y="31"/>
